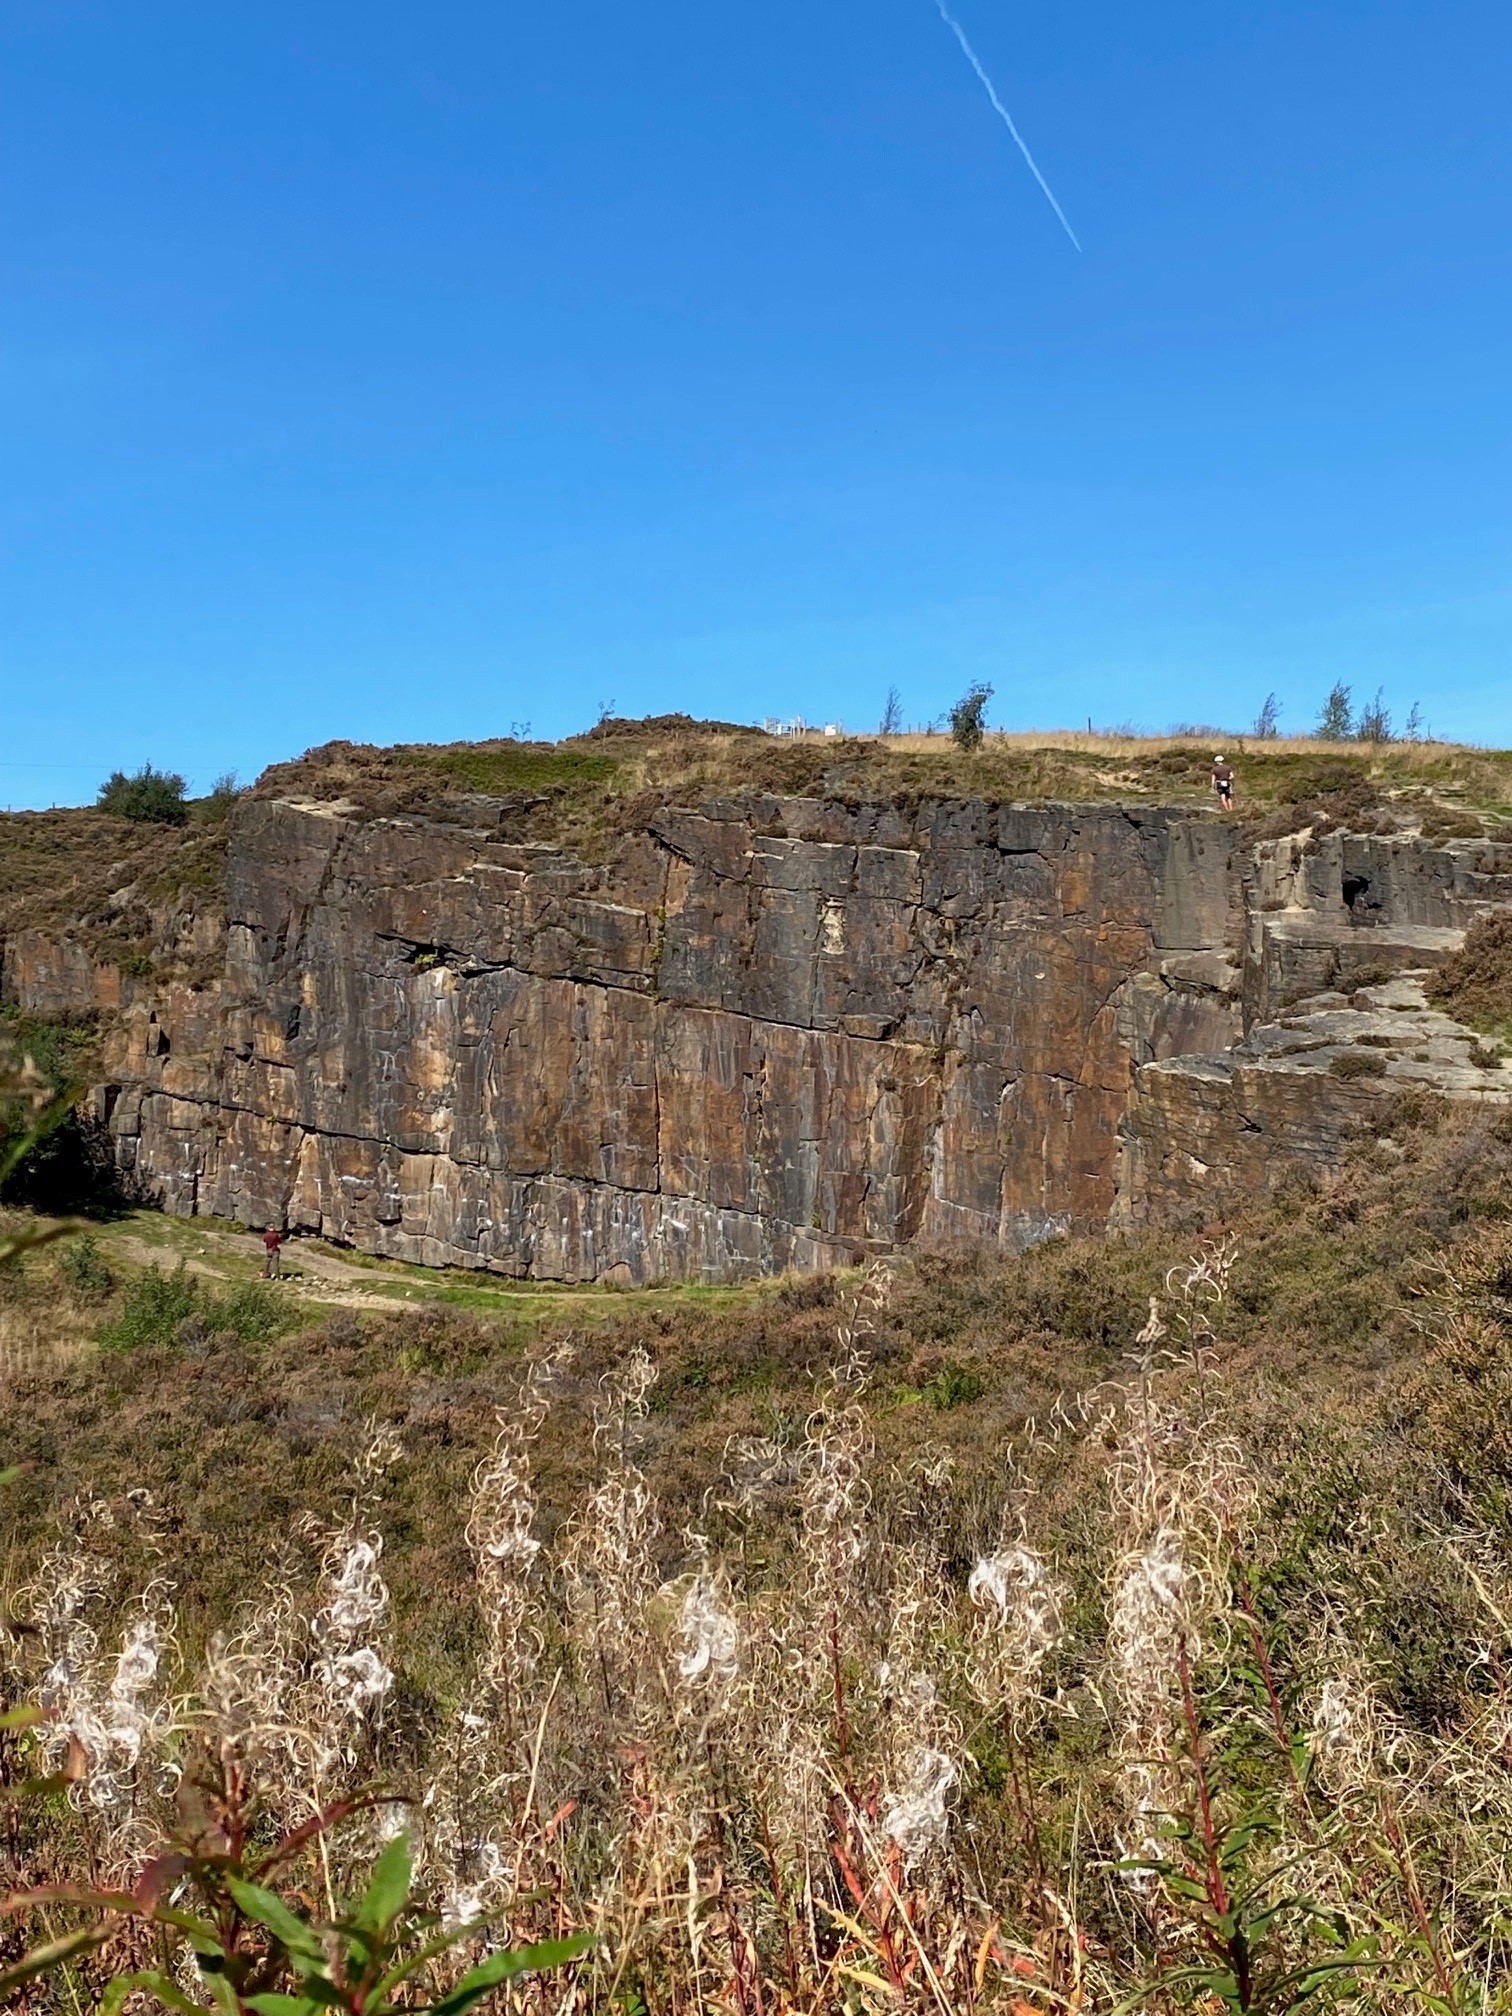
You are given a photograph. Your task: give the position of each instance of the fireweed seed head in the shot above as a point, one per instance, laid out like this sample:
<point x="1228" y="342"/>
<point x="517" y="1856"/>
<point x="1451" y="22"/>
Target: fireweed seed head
<point x="350" y="1676"/>
<point x="132" y="1720"/>
<point x="1019" y="1604"/>
<point x="1348" y="1739"/>
<point x="1164" y="1569"/>
<point x="355" y="1681"/>
<point x="708" y="1635"/>
<point x="359" y="1597"/>
<point x="622" y="1397"/>
<point x="1012" y="1581"/>
<point x="758" y="1474"/>
<point x="470" y="1898"/>
<point x="917" y="1816"/>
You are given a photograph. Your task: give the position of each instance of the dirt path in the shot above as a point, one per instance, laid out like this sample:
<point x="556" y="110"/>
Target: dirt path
<point x="229" y="1255"/>
<point x="310" y="1277"/>
<point x="227" y="1259"/>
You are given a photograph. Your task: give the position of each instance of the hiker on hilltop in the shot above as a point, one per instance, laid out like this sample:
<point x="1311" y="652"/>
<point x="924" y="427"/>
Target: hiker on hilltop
<point x="1223" y="782"/>
<point x="272" y="1242"/>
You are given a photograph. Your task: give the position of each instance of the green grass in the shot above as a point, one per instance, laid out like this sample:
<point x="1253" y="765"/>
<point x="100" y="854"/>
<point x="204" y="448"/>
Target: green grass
<point x="158" y="1310"/>
<point x="498" y="768"/>
<point x="235" y="1255"/>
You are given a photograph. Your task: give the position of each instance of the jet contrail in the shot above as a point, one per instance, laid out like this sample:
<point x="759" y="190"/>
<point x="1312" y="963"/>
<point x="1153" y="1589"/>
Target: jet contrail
<point x="1004" y="114"/>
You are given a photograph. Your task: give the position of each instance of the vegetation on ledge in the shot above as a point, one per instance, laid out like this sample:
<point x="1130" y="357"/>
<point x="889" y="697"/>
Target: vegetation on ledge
<point x="1474" y="985"/>
<point x="103" y="878"/>
<point x="105" y="881"/>
<point x="585" y="793"/>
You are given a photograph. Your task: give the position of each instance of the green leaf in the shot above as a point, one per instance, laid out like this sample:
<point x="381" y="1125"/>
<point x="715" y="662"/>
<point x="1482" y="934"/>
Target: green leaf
<point x="168" y="1992"/>
<point x="324" y="1993"/>
<point x="200" y="1933"/>
<point x="33" y="1788"/>
<point x="43" y="1959"/>
<point x="423" y="1955"/>
<point x="296" y="1937"/>
<point x="1184" y="1886"/>
<point x="222" y="1994"/>
<point x="388" y="1888"/>
<point x="282" y="2005"/>
<point x="20" y="1718"/>
<point x="16" y="1153"/>
<point x="501" y="1967"/>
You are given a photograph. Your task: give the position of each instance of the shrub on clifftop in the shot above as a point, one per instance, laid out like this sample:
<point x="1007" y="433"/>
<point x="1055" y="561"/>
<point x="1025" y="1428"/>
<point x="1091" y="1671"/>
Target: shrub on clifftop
<point x="1475" y="983"/>
<point x="152" y="796"/>
<point x="966" y="717"/>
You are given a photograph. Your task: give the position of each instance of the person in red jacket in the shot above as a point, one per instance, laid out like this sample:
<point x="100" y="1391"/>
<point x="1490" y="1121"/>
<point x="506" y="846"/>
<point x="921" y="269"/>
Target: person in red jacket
<point x="272" y="1243"/>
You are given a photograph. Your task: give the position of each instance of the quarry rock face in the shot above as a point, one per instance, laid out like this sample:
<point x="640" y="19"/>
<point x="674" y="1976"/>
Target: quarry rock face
<point x="770" y="1032"/>
<point x="1341" y="931"/>
<point x="1207" y="1133"/>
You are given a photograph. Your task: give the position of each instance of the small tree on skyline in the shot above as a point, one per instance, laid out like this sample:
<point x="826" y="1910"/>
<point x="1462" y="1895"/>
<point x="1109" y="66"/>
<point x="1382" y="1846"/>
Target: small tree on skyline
<point x="1374" y="724"/>
<point x="966" y="725"/>
<point x="1336" y="722"/>
<point x="1266" y="729"/>
<point x="892" y="713"/>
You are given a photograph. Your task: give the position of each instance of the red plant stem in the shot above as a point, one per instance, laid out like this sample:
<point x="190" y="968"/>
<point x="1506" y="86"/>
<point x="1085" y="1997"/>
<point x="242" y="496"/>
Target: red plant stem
<point x="779" y="1897"/>
<point x="1217" y="1889"/>
<point x="842" y="1722"/>
<point x="744" y="1980"/>
<point x="1235" y="1947"/>
<point x="1415" y="1897"/>
<point x="1262" y="1650"/>
<point x="1267" y="1671"/>
<point x="1023" y="1799"/>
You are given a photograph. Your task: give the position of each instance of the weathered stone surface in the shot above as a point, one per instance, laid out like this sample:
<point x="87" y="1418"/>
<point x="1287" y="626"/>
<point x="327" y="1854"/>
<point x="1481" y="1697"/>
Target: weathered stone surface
<point x="1207" y="1133"/>
<point x="1346" y="908"/>
<point x="772" y="1032"/>
<point x="1338" y="933"/>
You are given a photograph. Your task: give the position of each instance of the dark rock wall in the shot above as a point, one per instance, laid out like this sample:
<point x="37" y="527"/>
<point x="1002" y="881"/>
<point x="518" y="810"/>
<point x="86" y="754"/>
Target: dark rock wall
<point x="770" y="1033"/>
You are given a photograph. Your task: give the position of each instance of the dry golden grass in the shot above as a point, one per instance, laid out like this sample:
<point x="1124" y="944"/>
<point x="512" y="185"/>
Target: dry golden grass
<point x="37" y="1344"/>
<point x="1421" y="755"/>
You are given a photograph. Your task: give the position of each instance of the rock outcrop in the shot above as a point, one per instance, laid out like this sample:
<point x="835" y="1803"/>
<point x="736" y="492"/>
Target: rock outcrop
<point x="769" y="1032"/>
<point x="1340" y="932"/>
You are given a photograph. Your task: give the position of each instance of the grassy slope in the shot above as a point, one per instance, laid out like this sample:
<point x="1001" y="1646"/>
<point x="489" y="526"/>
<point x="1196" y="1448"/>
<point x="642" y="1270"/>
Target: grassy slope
<point x="101" y="878"/>
<point x="235" y="1436"/>
<point x="1365" y="1360"/>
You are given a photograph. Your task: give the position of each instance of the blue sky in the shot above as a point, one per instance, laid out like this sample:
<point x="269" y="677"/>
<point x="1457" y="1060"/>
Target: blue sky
<point x="409" y="373"/>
